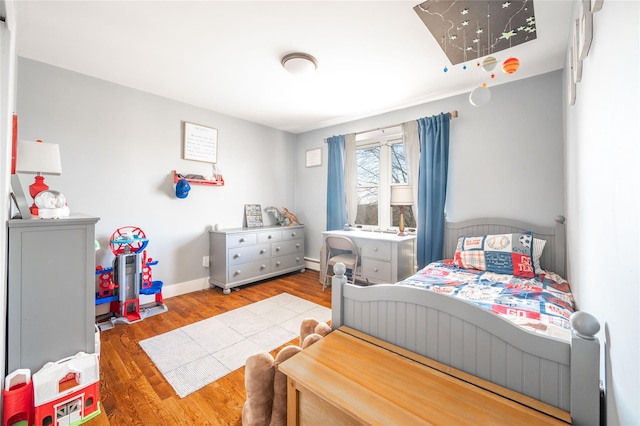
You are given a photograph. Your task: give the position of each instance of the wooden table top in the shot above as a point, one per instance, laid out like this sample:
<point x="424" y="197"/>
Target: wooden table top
<point x="375" y="384"/>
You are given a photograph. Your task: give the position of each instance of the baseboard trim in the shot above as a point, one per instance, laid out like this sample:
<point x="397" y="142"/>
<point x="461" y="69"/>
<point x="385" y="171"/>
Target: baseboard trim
<point x="185" y="287"/>
<point x="313" y="264"/>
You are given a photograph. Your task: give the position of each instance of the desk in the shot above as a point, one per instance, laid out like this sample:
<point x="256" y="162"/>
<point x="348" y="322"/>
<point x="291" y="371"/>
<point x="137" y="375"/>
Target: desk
<point x="350" y="378"/>
<point x="385" y="257"/>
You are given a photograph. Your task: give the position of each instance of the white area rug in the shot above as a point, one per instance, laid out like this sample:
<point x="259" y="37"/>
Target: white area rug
<point x="193" y="356"/>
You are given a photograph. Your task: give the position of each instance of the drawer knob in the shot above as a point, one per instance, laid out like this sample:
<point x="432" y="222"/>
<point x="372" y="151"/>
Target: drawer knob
<point x="293" y="234"/>
<point x="297" y="245"/>
<point x="375" y="269"/>
<point x="242" y="240"/>
<point x="262" y="251"/>
<point x="375" y="249"/>
<point x="277" y="248"/>
<point x="297" y="259"/>
<point x="269" y="237"/>
<point x="237" y="272"/>
<point x="278" y="263"/>
<point x="237" y="255"/>
<point x="262" y="267"/>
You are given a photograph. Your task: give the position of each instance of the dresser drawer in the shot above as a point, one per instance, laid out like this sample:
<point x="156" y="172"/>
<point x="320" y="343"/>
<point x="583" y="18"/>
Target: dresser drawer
<point x="376" y="249"/>
<point x="286" y="262"/>
<point x="269" y="236"/>
<point x="238" y="240"/>
<point x="249" y="254"/>
<point x="287" y="247"/>
<point x="292" y="234"/>
<point x="376" y="269"/>
<point x="246" y="271"/>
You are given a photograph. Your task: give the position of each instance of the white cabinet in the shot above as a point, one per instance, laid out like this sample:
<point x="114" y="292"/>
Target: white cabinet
<point x="245" y="255"/>
<point x="384" y="257"/>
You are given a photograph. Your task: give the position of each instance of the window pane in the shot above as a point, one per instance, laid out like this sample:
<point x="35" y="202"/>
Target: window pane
<point x="368" y="166"/>
<point x="367" y="213"/>
<point x="398" y="164"/>
<point x="409" y="218"/>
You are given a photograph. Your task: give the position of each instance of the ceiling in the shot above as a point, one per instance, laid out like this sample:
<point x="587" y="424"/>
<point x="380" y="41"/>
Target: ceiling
<point x="373" y="56"/>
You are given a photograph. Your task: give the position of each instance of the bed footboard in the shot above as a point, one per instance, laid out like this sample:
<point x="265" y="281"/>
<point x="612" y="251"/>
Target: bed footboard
<point x="463" y="336"/>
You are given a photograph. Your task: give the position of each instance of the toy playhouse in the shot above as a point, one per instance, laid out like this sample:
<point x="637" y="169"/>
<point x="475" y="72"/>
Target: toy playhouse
<point x="123" y="284"/>
<point x="62" y="393"/>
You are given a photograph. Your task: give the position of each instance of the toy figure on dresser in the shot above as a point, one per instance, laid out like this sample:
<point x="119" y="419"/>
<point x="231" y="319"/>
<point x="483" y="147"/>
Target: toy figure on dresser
<point x="292" y="218"/>
<point x="281" y="219"/>
<point x="130" y="277"/>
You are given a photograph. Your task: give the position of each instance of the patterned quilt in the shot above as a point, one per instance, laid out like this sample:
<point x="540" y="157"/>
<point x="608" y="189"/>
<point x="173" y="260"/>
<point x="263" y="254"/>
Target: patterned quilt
<point x="541" y="304"/>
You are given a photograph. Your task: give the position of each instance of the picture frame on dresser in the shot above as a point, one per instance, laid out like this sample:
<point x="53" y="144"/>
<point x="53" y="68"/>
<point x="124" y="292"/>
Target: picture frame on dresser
<point x="18" y="197"/>
<point x="253" y="215"/>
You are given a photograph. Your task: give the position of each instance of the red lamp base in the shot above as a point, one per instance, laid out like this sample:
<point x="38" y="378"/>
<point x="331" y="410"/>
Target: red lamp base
<point x="34" y="189"/>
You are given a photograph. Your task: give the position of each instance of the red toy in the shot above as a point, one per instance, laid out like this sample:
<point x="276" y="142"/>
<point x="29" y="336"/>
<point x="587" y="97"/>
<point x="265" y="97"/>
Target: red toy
<point x="67" y="392"/>
<point x="130" y="277"/>
<point x="17" y="397"/>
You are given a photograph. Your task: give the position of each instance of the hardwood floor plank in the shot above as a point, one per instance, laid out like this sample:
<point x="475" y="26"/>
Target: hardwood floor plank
<point x="134" y="392"/>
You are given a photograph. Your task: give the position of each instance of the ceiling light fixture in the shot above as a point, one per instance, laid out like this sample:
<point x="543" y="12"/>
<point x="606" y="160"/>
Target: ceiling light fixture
<point x="299" y="63"/>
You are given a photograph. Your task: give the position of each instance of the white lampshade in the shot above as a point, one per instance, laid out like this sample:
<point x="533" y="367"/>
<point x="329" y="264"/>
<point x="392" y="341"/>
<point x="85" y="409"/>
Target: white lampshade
<point x="38" y="157"/>
<point x="401" y="195"/>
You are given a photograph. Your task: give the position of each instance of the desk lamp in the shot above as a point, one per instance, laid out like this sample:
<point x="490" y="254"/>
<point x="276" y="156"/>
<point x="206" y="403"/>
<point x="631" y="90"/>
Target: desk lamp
<point x="401" y="195"/>
<point x="39" y="158"/>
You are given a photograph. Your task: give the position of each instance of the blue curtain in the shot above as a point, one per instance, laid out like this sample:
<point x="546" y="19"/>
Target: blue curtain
<point x="432" y="186"/>
<point x="336" y="199"/>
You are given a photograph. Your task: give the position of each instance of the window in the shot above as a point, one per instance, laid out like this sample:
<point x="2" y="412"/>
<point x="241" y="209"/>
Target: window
<point x="380" y="163"/>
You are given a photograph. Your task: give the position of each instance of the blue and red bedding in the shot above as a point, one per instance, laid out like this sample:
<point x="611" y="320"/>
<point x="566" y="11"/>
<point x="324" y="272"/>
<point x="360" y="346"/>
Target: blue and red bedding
<point x="541" y="304"/>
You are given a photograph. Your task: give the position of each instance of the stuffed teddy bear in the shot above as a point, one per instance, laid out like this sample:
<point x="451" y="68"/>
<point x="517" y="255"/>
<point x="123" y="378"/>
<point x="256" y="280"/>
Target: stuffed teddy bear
<point x="266" y="387"/>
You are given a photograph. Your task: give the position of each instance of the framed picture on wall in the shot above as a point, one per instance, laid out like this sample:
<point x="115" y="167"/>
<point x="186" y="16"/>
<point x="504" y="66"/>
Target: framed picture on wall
<point x="596" y="5"/>
<point x="571" y="83"/>
<point x="313" y="158"/>
<point x="575" y="60"/>
<point x="586" y="29"/>
<point x="200" y="143"/>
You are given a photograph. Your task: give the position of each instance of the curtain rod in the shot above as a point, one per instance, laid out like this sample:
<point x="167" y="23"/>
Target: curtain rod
<point x="452" y="114"/>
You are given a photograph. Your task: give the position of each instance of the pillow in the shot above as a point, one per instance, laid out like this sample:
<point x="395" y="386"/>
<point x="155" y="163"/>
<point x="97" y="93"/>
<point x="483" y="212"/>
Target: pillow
<point x="510" y="254"/>
<point x="538" y="246"/>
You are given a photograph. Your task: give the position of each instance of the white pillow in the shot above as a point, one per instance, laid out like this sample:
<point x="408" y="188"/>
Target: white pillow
<point x="538" y="246"/>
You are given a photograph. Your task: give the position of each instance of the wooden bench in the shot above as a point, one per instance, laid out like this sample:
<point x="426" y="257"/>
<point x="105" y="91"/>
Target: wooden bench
<point x="349" y="377"/>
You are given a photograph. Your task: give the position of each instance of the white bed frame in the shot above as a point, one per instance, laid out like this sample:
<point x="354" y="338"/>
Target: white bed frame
<point x="471" y="339"/>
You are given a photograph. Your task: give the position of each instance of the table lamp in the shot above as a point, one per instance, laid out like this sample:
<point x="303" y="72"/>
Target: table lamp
<point x="401" y="195"/>
<point x="39" y="158"/>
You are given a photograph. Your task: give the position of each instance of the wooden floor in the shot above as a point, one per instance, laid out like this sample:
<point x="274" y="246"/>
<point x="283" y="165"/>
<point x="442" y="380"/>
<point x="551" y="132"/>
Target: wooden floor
<point x="134" y="392"/>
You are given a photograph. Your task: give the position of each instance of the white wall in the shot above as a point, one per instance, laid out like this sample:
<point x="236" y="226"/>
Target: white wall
<point x="506" y="159"/>
<point x="119" y="148"/>
<point x="602" y="137"/>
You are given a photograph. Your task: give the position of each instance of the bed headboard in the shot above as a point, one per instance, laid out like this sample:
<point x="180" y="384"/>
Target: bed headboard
<point x="554" y="254"/>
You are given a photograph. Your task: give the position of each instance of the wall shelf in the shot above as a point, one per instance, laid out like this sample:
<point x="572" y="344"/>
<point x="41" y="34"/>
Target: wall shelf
<point x="199" y="181"/>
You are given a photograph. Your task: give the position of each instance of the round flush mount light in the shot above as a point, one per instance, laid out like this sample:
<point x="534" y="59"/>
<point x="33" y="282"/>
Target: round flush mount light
<point x="299" y="63"/>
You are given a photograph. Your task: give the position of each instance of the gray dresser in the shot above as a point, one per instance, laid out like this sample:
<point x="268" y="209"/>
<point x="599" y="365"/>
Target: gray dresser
<point x="244" y="255"/>
<point x="51" y="291"/>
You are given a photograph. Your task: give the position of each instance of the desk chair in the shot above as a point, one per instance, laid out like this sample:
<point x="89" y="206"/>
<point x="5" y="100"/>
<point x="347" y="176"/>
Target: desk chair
<point x="340" y="249"/>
